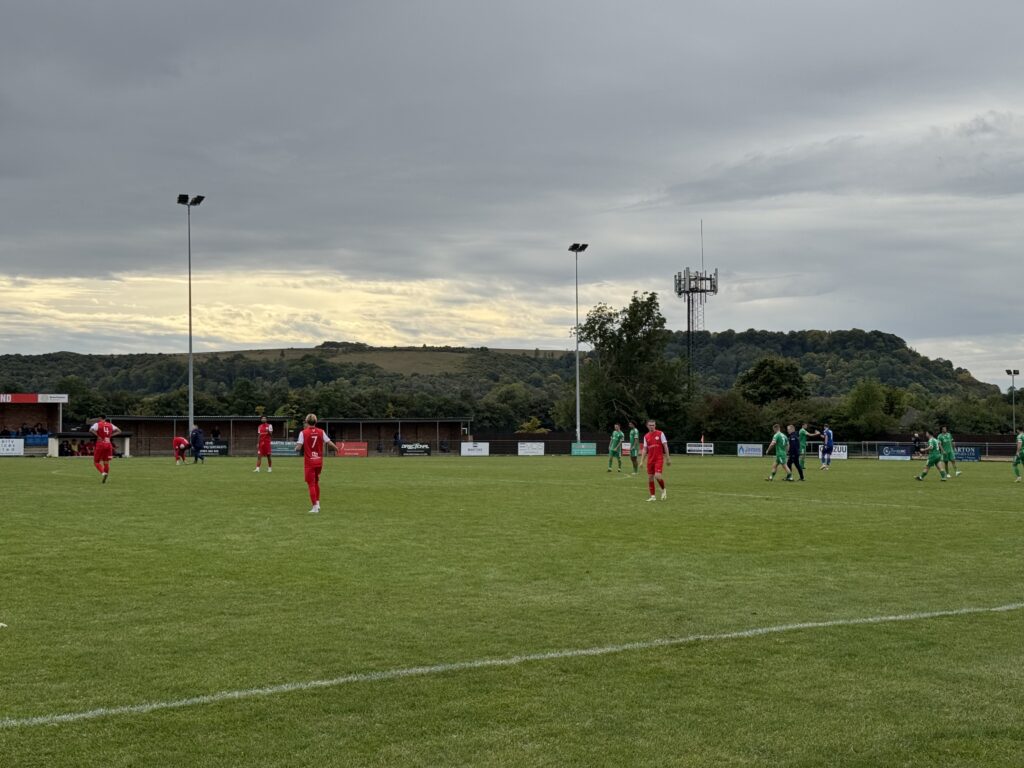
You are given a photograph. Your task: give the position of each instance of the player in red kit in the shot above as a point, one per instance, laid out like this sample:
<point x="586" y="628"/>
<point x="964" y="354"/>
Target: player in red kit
<point x="264" y="432"/>
<point x="313" y="442"/>
<point x="655" y="448"/>
<point x="104" y="450"/>
<point x="180" y="446"/>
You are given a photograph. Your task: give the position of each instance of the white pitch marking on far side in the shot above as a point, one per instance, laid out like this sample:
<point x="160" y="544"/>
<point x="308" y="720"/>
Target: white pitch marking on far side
<point x="461" y="666"/>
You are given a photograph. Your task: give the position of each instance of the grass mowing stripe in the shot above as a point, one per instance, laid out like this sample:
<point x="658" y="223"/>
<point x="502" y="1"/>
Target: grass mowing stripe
<point x="511" y="661"/>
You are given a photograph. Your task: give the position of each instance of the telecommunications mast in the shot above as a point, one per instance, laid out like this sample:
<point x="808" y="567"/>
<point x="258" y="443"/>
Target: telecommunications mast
<point x="695" y="286"/>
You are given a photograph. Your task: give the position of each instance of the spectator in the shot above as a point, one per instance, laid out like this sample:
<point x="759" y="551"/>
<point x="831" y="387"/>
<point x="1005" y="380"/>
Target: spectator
<point x="39" y="429"/>
<point x="4" y="431"/>
<point x="215" y="434"/>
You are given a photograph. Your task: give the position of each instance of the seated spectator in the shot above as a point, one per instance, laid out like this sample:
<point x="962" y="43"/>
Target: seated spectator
<point x="4" y="431"/>
<point x="24" y="430"/>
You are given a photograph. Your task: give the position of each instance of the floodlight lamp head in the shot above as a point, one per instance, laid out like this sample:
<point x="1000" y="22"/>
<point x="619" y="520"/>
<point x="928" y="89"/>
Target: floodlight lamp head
<point x="182" y="199"/>
<point x="197" y="200"/>
<point x="575" y="247"/>
<point x="583" y="247"/>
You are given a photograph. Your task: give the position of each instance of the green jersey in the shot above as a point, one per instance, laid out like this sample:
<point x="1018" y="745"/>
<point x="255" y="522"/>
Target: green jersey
<point x="780" y="442"/>
<point x="946" y="442"/>
<point x="803" y="440"/>
<point x="616" y="441"/>
<point x="634" y="441"/>
<point x="933" y="448"/>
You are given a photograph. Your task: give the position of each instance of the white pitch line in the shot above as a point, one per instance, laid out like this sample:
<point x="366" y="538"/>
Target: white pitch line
<point x="460" y="666"/>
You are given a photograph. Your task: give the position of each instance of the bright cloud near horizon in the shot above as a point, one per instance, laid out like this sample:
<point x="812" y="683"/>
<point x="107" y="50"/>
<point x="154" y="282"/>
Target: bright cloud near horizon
<point x="413" y="173"/>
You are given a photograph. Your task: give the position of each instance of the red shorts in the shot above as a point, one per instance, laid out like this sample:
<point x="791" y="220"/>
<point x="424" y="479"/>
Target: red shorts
<point x="263" y="449"/>
<point x="313" y="474"/>
<point x="655" y="465"/>
<point x="103" y="452"/>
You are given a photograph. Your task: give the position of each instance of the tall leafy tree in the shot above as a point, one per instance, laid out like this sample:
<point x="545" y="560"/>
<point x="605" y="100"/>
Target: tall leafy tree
<point x="772" y="378"/>
<point x="628" y="373"/>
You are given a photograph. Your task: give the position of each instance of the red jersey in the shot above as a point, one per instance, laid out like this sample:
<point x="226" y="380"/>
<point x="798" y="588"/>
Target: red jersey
<point x="264" y="432"/>
<point x="103" y="430"/>
<point x="180" y="443"/>
<point x="312" y="440"/>
<point x="654" y="442"/>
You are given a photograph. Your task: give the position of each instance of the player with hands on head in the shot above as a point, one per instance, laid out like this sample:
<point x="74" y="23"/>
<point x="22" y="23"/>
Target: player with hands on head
<point x="104" y="450"/>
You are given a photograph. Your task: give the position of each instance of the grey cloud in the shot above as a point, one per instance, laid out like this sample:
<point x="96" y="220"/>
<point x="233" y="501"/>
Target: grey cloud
<point x="869" y="151"/>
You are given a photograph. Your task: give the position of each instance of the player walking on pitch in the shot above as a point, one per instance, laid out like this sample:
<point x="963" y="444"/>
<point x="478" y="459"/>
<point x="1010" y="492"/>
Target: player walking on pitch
<point x="794" y="458"/>
<point x="615" y="446"/>
<point x="1018" y="458"/>
<point x="264" y="432"/>
<point x="934" y="457"/>
<point x="655" y="450"/>
<point x="313" y="441"/>
<point x="104" y="450"/>
<point x="948" y="452"/>
<point x="779" y="444"/>
<point x="634" y="446"/>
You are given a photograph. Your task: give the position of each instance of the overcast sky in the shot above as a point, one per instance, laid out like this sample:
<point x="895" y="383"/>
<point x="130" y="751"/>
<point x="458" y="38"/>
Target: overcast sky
<point x="413" y="172"/>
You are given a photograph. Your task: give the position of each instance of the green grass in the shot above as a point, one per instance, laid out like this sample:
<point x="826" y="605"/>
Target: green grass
<point x="172" y="582"/>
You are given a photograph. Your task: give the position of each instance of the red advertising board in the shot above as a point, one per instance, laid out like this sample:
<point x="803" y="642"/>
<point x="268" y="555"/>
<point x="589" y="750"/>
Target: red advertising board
<point x="21" y="397"/>
<point x="353" y="449"/>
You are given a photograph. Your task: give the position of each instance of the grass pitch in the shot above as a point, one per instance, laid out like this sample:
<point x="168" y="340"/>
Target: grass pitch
<point x="170" y="583"/>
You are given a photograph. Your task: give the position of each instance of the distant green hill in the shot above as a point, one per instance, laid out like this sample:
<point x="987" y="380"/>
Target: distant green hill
<point x="832" y="361"/>
<point x="499" y="389"/>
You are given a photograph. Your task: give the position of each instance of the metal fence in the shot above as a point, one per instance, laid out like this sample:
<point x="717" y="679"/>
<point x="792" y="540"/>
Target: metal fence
<point x="991" y="450"/>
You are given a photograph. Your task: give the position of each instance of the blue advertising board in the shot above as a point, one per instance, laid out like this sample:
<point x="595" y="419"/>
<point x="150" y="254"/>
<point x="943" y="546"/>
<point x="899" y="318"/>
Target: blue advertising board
<point x="968" y="453"/>
<point x="895" y="452"/>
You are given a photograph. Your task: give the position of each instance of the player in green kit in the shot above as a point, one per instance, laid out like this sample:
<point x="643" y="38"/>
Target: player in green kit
<point x="948" y="452"/>
<point x="779" y="444"/>
<point x="634" y="446"/>
<point x="1018" y="459"/>
<point x="615" y="447"/>
<point x="934" y="457"/>
<point x="804" y="434"/>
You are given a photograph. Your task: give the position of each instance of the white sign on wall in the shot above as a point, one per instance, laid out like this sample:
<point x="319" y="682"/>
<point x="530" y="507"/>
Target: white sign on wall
<point x="12" y="446"/>
<point x="531" y="449"/>
<point x="700" y="449"/>
<point x="476" y="449"/>
<point x="749" y="449"/>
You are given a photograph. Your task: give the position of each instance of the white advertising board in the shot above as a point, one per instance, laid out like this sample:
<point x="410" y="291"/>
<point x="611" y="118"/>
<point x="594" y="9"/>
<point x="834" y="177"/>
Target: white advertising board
<point x="531" y="449"/>
<point x="476" y="449"/>
<point x="700" y="449"/>
<point x="12" y="446"/>
<point x="749" y="449"/>
<point x="838" y="451"/>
